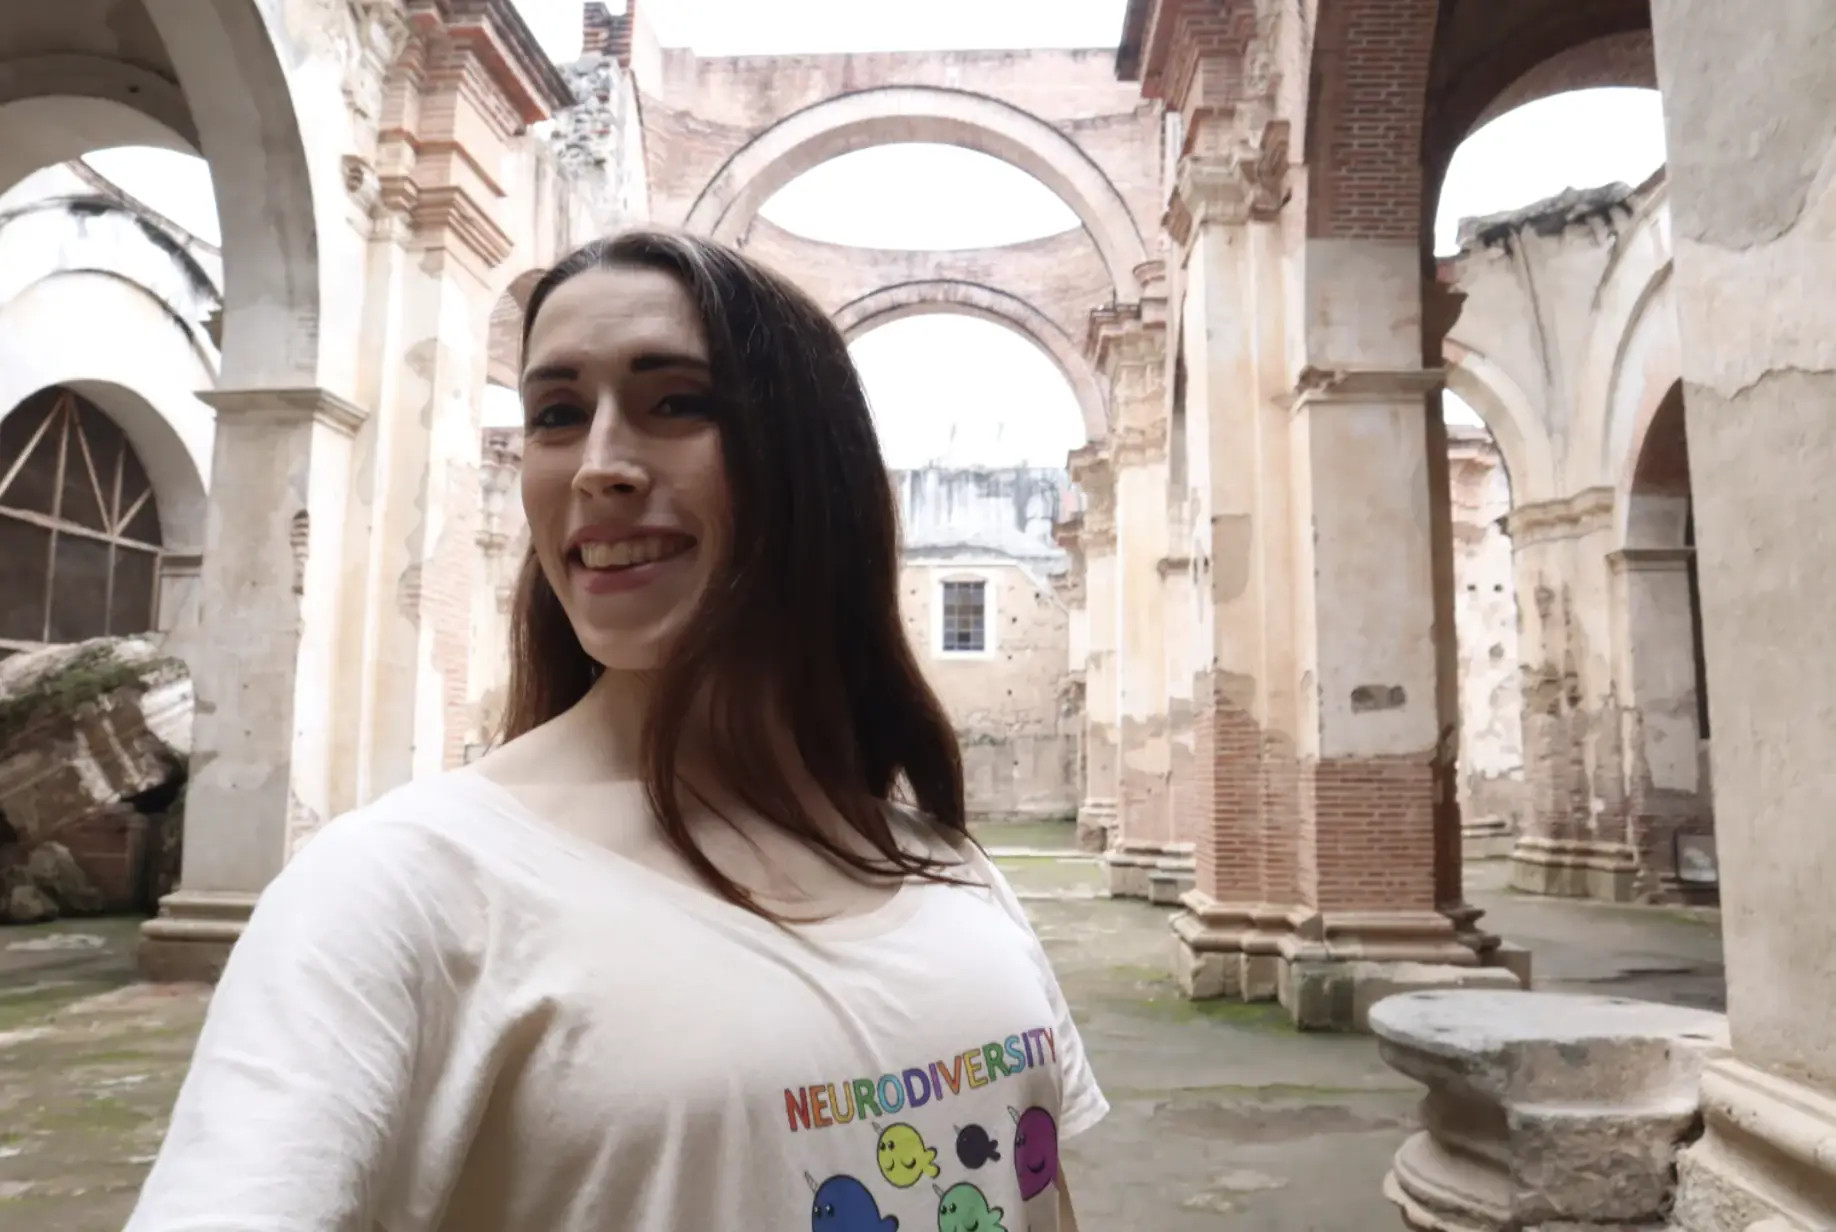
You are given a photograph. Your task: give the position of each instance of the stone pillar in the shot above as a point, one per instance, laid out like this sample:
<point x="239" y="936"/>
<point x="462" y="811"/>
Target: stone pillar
<point x="261" y="761"/>
<point x="1754" y="263"/>
<point x="1143" y="859"/>
<point x="1543" y="1111"/>
<point x="1230" y="320"/>
<point x="1574" y="837"/>
<point x="465" y="85"/>
<point x="1665" y="794"/>
<point x="1096" y="814"/>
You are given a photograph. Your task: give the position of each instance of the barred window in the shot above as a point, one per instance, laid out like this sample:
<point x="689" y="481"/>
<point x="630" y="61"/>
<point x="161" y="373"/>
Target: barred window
<point x="965" y="617"/>
<point x="79" y="527"/>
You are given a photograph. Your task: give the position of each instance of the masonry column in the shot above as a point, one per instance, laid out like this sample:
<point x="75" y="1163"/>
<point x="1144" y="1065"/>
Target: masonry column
<point x="1130" y="350"/>
<point x="1666" y="797"/>
<point x="469" y="80"/>
<point x="1574" y="838"/>
<point x="1754" y="263"/>
<point x="1378" y="838"/>
<point x="260" y="766"/>
<point x="1095" y="478"/>
<point x="1224" y="226"/>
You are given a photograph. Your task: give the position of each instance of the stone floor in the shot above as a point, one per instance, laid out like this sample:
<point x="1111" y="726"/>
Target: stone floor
<point x="1223" y="1117"/>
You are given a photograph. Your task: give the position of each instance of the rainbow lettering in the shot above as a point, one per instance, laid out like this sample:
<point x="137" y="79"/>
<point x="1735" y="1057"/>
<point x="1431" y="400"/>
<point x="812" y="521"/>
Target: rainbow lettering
<point x="837" y="1103"/>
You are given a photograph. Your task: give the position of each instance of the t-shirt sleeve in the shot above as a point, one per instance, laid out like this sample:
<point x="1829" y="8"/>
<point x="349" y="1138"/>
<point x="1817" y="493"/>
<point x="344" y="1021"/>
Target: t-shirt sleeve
<point x="1084" y="1102"/>
<point x="302" y="1077"/>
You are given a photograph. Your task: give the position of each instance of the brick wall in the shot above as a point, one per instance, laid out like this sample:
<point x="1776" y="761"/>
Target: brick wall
<point x="1374" y="833"/>
<point x="1370" y="62"/>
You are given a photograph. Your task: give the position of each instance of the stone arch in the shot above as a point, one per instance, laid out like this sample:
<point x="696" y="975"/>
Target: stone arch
<point x="227" y="58"/>
<point x="892" y="303"/>
<point x="146" y="385"/>
<point x="1485" y="65"/>
<point x="82" y="527"/>
<point x="847" y="122"/>
<point x="72" y="105"/>
<point x="1486" y="387"/>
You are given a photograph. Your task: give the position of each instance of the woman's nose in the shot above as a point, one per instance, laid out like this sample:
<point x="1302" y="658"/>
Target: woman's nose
<point x="612" y="465"/>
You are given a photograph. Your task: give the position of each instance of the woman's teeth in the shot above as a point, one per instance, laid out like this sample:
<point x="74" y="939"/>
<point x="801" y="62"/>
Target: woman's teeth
<point x="626" y="553"/>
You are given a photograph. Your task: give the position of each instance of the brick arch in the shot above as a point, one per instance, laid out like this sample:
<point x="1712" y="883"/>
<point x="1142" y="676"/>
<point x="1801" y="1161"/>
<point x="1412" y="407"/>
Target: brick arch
<point x="1364" y="125"/>
<point x="893" y="114"/>
<point x="1509" y="416"/>
<point x="1486" y="63"/>
<point x="893" y="303"/>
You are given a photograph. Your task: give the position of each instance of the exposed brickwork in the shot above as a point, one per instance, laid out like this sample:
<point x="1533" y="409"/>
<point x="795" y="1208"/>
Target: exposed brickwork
<point x="1061" y="275"/>
<point x="1373" y="820"/>
<point x="1616" y="60"/>
<point x="1371" y="73"/>
<point x="1230" y="855"/>
<point x="1284" y="846"/>
<point x="707" y="108"/>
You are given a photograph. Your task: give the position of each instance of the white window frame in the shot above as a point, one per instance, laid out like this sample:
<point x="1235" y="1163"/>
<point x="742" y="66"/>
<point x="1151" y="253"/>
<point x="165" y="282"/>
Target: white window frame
<point x="990" y="594"/>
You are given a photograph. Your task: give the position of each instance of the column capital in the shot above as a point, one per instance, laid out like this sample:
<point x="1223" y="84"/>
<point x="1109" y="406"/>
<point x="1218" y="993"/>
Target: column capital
<point x="306" y="404"/>
<point x="1230" y="176"/>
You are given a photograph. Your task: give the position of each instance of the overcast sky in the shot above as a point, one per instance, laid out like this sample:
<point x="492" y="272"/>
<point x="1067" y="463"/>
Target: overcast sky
<point x="952" y="388"/>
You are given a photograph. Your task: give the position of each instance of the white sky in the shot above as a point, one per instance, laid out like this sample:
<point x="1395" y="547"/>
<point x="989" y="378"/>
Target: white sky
<point x="952" y="388"/>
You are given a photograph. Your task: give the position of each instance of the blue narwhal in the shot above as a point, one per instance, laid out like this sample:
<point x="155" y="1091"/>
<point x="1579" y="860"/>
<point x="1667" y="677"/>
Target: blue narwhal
<point x="843" y="1204"/>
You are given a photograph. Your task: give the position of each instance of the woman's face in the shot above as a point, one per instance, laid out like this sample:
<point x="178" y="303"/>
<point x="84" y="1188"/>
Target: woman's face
<point x="623" y="481"/>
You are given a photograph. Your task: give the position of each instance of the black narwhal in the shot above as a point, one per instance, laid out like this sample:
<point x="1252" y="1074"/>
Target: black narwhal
<point x="974" y="1147"/>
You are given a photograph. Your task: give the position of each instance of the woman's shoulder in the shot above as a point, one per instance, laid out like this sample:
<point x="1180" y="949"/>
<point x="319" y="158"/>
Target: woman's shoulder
<point x="419" y="835"/>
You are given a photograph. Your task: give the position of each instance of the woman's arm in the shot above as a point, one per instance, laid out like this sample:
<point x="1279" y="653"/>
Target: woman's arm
<point x="304" y="1072"/>
<point x="1067" y="1218"/>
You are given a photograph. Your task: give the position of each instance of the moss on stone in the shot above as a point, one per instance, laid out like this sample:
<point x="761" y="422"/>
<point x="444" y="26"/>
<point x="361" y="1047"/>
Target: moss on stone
<point x="93" y="672"/>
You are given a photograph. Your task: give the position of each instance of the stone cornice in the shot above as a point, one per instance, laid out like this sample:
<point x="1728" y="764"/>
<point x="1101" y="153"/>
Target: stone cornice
<point x="1227" y="176"/>
<point x="1140" y="445"/>
<point x="1571" y="517"/>
<point x="1651" y="560"/>
<point x="304" y="405"/>
<point x="495" y="33"/>
<point x="1329" y="387"/>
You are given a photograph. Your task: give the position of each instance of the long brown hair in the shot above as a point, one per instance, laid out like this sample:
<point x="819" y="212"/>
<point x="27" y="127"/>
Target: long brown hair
<point x="799" y="633"/>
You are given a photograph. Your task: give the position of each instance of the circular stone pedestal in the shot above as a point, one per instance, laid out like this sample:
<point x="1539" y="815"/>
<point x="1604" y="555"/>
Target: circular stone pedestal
<point x="1542" y="1108"/>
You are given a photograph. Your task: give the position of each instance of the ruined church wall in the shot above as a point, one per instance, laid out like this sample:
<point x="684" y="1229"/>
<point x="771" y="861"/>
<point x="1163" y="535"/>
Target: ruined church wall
<point x="1491" y="782"/>
<point x="1016" y="720"/>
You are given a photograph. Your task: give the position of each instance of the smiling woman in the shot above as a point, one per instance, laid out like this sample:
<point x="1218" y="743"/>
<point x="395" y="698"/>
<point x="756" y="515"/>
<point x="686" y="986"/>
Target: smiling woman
<point x="728" y="808"/>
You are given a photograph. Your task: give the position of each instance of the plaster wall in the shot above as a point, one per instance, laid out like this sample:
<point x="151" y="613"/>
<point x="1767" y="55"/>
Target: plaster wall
<point x="1012" y="702"/>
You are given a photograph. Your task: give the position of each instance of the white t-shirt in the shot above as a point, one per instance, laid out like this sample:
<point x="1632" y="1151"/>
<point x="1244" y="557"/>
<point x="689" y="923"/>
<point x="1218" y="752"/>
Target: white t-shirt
<point x="447" y="1014"/>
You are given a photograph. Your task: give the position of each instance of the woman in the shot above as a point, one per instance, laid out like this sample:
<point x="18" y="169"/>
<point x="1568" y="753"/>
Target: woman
<point x="669" y="958"/>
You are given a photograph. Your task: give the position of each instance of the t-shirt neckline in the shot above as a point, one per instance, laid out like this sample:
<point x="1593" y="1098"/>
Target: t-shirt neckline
<point x="864" y="926"/>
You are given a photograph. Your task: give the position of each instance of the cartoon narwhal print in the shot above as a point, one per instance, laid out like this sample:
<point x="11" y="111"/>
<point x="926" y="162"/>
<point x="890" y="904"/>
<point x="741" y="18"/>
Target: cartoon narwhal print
<point x="904" y="1158"/>
<point x="975" y="1147"/>
<point x="1035" y="1150"/>
<point x="843" y="1205"/>
<point x="964" y="1208"/>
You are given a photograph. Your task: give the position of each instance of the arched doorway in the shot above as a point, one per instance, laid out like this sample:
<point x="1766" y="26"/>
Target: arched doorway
<point x="80" y="537"/>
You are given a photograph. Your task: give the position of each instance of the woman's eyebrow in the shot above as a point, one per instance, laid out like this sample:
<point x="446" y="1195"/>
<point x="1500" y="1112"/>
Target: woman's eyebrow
<point x="654" y="361"/>
<point x="550" y="372"/>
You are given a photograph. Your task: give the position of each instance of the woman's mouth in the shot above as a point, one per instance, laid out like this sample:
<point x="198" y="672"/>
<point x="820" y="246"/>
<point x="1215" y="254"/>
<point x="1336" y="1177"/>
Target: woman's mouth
<point x="628" y="562"/>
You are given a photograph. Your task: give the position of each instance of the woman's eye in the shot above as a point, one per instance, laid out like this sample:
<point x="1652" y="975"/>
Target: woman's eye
<point x="687" y="406"/>
<point x="555" y="415"/>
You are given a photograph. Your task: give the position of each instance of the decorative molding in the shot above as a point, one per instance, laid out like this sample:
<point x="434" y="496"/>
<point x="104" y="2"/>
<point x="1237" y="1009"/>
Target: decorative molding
<point x="1140" y="445"/>
<point x="1339" y="387"/>
<point x="305" y="405"/>
<point x="1651" y="560"/>
<point x="1236" y="179"/>
<point x="1571" y="517"/>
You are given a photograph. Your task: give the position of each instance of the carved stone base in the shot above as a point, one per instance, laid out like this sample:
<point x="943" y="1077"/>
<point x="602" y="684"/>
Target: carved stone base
<point x="1767" y="1157"/>
<point x="1575" y="868"/>
<point x="1158" y="872"/>
<point x="1543" y="1110"/>
<point x="190" y="939"/>
<point x="1329" y="970"/>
